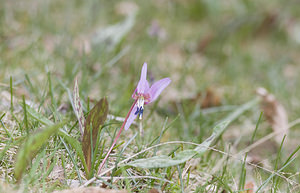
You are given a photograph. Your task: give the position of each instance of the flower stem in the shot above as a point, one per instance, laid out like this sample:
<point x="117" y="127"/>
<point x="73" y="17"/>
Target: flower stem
<point x="117" y="137"/>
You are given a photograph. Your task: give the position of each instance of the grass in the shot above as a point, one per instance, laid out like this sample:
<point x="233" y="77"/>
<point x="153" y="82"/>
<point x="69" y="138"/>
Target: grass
<point x="216" y="53"/>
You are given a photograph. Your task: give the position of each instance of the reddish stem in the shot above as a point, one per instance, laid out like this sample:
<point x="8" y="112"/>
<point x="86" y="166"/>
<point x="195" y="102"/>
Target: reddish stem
<point x="117" y="137"/>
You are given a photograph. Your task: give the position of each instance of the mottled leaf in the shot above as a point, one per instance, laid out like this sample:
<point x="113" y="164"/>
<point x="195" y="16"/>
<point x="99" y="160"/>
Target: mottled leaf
<point x="72" y="141"/>
<point x="95" y="119"/>
<point x="77" y="107"/>
<point x="32" y="146"/>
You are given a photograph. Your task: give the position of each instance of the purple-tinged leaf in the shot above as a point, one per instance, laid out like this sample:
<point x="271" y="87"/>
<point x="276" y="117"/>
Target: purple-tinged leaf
<point x="95" y="119"/>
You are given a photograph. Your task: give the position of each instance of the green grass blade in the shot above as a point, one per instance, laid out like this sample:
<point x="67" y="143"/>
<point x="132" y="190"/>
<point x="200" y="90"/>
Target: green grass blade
<point x="11" y="95"/>
<point x="183" y="156"/>
<point x="4" y="127"/>
<point x="264" y="184"/>
<point x="73" y="142"/>
<point x="73" y="160"/>
<point x="38" y="116"/>
<point x="276" y="163"/>
<point x="76" y="146"/>
<point x="243" y="170"/>
<point x="25" y="115"/>
<point x="53" y="102"/>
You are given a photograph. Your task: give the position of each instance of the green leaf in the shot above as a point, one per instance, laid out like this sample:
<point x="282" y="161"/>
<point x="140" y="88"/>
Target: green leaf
<point x="28" y="151"/>
<point x="77" y="107"/>
<point x="73" y="142"/>
<point x="183" y="156"/>
<point x="163" y="161"/>
<point x="95" y="119"/>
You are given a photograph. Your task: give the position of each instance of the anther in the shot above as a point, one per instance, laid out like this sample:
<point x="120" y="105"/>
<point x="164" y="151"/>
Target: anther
<point x="137" y="110"/>
<point x="141" y="113"/>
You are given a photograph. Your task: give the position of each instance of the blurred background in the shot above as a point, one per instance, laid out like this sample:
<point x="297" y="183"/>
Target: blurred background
<point x="215" y="52"/>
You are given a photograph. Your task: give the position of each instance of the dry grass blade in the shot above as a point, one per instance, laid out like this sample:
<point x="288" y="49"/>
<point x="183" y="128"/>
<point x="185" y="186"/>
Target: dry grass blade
<point x="78" y="108"/>
<point x="267" y="137"/>
<point x="292" y="182"/>
<point x="274" y="112"/>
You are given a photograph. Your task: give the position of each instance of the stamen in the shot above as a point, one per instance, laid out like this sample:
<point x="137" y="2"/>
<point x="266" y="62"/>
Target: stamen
<point x="137" y="111"/>
<point x="140" y="107"/>
<point x="141" y="113"/>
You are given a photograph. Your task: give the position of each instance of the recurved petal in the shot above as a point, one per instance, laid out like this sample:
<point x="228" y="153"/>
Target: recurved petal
<point x="131" y="117"/>
<point x="158" y="87"/>
<point x="143" y="83"/>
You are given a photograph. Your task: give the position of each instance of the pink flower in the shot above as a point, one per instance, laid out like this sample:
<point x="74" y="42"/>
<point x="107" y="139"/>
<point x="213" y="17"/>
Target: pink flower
<point x="143" y="94"/>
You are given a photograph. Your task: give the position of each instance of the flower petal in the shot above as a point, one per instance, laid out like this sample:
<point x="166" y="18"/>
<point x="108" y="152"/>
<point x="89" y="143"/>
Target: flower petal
<point x="158" y="87"/>
<point x="134" y="96"/>
<point x="143" y="84"/>
<point x="131" y="117"/>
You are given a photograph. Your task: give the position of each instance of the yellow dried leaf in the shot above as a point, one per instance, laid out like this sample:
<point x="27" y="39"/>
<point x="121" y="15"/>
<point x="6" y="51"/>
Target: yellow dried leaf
<point x="275" y="113"/>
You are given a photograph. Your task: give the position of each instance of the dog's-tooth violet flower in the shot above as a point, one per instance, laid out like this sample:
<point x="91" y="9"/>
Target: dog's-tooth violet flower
<point x="143" y="94"/>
